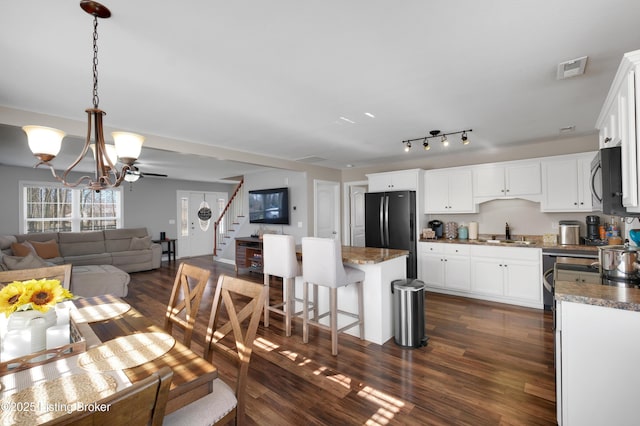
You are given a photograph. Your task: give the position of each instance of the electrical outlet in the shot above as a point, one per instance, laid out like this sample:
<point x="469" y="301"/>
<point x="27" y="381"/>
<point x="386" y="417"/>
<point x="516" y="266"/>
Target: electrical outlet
<point x="554" y="226"/>
<point x="299" y="224"/>
<point x="172" y="221"/>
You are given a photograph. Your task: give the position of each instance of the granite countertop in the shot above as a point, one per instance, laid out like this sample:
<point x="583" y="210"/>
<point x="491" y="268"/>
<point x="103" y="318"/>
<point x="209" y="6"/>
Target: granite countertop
<point x="531" y="241"/>
<point x="599" y="295"/>
<point x="369" y="255"/>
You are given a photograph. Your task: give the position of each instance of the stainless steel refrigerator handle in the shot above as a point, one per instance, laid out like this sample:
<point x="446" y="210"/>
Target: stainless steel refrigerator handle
<point x="386" y="221"/>
<point x="593" y="183"/>
<point x="381" y="221"/>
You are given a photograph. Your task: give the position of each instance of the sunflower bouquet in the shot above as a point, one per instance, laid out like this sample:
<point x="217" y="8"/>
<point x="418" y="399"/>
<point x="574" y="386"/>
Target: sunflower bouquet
<point x="39" y="295"/>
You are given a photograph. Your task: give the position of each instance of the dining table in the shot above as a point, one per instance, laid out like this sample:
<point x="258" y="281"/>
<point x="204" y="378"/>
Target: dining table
<point x="103" y="321"/>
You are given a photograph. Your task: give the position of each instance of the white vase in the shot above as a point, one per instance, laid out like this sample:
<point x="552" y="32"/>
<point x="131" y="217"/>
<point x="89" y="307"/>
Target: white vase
<point x="32" y="327"/>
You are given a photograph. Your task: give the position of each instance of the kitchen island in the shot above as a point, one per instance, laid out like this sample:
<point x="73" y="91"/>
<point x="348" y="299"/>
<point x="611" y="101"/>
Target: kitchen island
<point x="381" y="267"/>
<point x="597" y="353"/>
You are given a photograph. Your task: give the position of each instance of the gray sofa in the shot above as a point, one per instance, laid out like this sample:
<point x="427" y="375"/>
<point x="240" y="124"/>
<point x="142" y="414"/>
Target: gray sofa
<point x="128" y="249"/>
<point x="101" y="259"/>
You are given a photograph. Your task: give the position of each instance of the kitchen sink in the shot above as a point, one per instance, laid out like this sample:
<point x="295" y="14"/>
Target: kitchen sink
<point x="515" y="242"/>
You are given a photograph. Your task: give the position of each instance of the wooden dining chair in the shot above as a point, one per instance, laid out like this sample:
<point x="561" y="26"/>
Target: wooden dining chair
<point x="184" y="303"/>
<point x="58" y="272"/>
<point x="140" y="404"/>
<point x="232" y="336"/>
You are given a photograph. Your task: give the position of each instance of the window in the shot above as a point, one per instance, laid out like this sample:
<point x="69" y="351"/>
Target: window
<point x="50" y="207"/>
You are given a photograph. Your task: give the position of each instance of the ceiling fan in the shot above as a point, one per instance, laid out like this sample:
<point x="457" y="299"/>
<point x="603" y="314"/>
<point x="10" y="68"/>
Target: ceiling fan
<point x="134" y="174"/>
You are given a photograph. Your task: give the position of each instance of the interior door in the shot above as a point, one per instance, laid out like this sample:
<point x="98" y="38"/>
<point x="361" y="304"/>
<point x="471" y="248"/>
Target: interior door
<point x="357" y="215"/>
<point x="327" y="209"/>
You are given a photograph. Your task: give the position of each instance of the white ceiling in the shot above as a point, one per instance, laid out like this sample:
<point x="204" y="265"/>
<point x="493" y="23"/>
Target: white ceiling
<point x="274" y="77"/>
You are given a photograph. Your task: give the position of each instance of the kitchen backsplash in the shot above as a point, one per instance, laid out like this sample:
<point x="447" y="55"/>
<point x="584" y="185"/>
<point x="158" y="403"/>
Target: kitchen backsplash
<point x="524" y="217"/>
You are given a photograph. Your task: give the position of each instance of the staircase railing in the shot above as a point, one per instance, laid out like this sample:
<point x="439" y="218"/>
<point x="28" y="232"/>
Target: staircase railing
<point x="232" y="212"/>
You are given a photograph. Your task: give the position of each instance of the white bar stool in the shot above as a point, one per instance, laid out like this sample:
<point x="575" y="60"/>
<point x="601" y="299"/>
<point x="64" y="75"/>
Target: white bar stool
<point x="279" y="259"/>
<point x="322" y="266"/>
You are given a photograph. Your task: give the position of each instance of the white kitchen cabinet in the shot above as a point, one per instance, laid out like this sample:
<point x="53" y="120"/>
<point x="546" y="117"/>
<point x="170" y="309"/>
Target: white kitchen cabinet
<point x="449" y="191"/>
<point x="507" y="180"/>
<point x="566" y="183"/>
<point x="402" y="180"/>
<point x="598" y="378"/>
<point x="505" y="274"/>
<point x="619" y="124"/>
<point x="445" y="265"/>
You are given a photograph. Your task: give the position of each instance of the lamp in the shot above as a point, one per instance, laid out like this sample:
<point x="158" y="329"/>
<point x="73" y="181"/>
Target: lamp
<point x="436" y="134"/>
<point x="45" y="142"/>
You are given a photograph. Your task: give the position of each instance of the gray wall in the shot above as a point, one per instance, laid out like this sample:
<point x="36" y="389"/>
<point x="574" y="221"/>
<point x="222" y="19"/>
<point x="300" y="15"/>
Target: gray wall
<point x="150" y="202"/>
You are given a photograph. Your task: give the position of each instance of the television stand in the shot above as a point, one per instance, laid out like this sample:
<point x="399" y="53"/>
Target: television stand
<point x="249" y="254"/>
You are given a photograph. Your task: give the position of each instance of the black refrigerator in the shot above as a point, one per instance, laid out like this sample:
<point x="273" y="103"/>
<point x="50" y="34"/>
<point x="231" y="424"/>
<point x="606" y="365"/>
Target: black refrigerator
<point x="390" y="222"/>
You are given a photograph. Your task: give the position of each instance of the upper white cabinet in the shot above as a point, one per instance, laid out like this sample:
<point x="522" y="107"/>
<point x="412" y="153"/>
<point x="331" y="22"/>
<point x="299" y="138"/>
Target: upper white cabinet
<point x="566" y="183"/>
<point x="619" y="124"/>
<point x="402" y="180"/>
<point x="449" y="191"/>
<point x="507" y="180"/>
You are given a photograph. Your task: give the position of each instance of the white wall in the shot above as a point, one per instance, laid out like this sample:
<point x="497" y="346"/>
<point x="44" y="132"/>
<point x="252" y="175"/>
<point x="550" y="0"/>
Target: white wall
<point x="524" y="218"/>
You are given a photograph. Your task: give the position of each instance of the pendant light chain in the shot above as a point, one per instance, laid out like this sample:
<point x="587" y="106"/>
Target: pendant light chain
<point x="95" y="62"/>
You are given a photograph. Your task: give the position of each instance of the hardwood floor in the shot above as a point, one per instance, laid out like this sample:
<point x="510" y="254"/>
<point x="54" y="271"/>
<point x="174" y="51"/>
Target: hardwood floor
<point x="485" y="364"/>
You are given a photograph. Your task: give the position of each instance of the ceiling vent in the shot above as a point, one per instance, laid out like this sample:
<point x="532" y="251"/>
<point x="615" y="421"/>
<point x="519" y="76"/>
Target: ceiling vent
<point x="572" y="68"/>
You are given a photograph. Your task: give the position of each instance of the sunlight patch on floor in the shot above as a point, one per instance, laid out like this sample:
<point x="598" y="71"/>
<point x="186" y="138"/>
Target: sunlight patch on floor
<point x="265" y="344"/>
<point x="389" y="405"/>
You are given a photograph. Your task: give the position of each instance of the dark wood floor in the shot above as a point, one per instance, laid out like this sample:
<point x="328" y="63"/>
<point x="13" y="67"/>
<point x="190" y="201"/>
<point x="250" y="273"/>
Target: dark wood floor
<point x="485" y="364"/>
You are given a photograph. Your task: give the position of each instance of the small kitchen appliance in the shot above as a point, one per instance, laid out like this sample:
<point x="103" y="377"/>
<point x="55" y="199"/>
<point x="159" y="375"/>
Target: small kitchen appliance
<point x="593" y="237"/>
<point x="619" y="262"/>
<point x="569" y="232"/>
<point x="436" y="225"/>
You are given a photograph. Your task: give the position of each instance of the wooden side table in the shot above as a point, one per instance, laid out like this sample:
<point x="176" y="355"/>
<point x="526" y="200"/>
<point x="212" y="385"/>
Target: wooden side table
<point x="171" y="248"/>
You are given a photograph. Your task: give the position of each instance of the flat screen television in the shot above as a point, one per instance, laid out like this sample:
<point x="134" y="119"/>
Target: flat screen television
<point x="270" y="206"/>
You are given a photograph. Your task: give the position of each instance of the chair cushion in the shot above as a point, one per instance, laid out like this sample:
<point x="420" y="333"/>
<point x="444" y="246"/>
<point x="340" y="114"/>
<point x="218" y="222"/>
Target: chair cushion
<point x="206" y="410"/>
<point x="46" y="250"/>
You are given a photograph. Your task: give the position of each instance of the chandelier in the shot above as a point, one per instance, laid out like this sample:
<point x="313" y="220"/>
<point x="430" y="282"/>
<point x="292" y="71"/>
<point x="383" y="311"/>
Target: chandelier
<point x="45" y="142"/>
<point x="437" y="134"/>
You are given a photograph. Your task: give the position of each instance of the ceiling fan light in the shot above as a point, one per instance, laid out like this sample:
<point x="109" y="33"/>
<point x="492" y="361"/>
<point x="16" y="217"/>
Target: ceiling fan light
<point x="128" y="146"/>
<point x="132" y="175"/>
<point x="44" y="142"/>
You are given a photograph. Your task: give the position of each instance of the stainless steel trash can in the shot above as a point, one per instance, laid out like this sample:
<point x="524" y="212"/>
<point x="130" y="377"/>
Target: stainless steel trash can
<point x="408" y="313"/>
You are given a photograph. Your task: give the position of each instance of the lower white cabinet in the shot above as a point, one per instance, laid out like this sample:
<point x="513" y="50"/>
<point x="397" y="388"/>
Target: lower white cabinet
<point x="597" y="353"/>
<point x="505" y="274"/>
<point x="502" y="274"/>
<point x="445" y="265"/>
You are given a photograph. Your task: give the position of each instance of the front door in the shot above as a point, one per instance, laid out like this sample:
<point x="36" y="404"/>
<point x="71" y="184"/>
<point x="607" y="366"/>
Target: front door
<point x="196" y="213"/>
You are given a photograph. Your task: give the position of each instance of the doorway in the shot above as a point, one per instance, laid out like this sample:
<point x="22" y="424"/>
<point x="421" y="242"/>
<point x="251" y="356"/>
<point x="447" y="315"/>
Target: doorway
<point x="353" y="216"/>
<point x="196" y="213"/>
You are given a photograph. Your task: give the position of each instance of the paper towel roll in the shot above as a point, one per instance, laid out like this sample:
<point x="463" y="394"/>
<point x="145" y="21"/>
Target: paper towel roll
<point x="473" y="230"/>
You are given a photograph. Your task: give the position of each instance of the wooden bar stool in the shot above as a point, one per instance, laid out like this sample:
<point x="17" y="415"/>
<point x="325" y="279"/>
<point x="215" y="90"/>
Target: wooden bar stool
<point x="322" y="266"/>
<point x="279" y="259"/>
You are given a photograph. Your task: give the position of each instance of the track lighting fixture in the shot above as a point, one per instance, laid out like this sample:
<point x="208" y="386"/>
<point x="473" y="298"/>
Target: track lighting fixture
<point x="435" y="134"/>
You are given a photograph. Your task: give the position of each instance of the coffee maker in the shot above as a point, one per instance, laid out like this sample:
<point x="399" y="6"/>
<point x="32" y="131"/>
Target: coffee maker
<point x="436" y="225"/>
<point x="593" y="232"/>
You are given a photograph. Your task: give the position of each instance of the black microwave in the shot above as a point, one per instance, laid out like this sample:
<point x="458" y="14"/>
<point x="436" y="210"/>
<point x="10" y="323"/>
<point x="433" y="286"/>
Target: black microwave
<point x="606" y="182"/>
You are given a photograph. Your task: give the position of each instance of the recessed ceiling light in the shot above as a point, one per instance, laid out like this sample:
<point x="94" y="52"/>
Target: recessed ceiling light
<point x="368" y="114"/>
<point x="349" y="165"/>
<point x="347" y="120"/>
